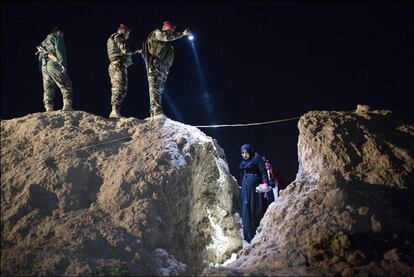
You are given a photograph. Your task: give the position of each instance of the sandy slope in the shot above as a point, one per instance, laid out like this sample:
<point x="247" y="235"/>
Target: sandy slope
<point x="81" y="194"/>
<point x="350" y="210"/>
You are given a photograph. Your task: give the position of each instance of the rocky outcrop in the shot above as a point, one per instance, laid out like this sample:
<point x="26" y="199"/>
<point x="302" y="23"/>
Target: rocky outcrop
<point x="82" y="195"/>
<point x="350" y="210"/>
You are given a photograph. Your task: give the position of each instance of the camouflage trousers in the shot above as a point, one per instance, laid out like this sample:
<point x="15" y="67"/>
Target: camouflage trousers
<point x="53" y="78"/>
<point x="119" y="81"/>
<point x="157" y="76"/>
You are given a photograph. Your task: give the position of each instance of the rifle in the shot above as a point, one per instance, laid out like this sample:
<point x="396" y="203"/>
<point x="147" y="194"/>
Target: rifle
<point x="44" y="53"/>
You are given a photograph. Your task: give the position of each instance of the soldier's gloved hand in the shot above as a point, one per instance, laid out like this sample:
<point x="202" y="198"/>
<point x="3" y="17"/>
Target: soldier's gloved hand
<point x="63" y="69"/>
<point x="187" y="32"/>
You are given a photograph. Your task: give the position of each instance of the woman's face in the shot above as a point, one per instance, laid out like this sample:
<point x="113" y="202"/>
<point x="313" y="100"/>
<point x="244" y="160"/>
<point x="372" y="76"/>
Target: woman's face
<point x="245" y="154"/>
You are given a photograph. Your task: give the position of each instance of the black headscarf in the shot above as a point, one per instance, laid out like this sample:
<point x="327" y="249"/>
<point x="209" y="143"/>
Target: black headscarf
<point x="248" y="148"/>
<point x="247" y="163"/>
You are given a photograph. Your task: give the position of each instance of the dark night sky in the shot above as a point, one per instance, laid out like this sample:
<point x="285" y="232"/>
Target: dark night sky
<point x="260" y="61"/>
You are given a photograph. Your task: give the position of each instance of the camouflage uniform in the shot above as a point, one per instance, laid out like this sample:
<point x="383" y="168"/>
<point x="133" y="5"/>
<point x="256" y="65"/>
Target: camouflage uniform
<point x="54" y="72"/>
<point x="120" y="59"/>
<point x="159" y="58"/>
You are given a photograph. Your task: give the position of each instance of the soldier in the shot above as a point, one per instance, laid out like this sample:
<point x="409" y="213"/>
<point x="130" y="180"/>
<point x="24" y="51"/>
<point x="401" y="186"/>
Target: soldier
<point x="159" y="56"/>
<point x="52" y="57"/>
<point x="120" y="58"/>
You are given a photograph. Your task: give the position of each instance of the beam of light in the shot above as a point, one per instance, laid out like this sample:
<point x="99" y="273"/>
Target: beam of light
<point x="197" y="60"/>
<point x="206" y="97"/>
<point x="190" y="37"/>
<point x="177" y="115"/>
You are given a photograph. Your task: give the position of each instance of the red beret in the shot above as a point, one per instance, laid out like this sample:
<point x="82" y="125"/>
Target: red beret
<point x="169" y="25"/>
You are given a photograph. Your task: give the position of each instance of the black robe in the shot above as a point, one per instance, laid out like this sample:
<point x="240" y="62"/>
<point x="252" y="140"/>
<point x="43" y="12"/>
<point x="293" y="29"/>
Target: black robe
<point x="253" y="204"/>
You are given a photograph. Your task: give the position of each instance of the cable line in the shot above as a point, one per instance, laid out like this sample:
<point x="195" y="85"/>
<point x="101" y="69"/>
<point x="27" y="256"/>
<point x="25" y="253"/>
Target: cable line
<point x="247" y="124"/>
<point x="128" y="138"/>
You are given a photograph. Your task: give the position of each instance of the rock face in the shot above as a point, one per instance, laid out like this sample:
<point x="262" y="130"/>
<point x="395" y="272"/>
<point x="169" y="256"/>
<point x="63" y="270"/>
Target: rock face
<point x="350" y="210"/>
<point x="81" y="194"/>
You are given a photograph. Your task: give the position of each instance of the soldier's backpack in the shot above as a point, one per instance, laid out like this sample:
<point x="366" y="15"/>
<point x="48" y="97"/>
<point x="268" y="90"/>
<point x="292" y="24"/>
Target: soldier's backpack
<point x="159" y="49"/>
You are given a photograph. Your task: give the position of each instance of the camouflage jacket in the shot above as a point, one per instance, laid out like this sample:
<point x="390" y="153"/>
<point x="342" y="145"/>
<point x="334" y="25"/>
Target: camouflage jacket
<point x="165" y="36"/>
<point x="158" y="46"/>
<point x="118" y="49"/>
<point x="56" y="46"/>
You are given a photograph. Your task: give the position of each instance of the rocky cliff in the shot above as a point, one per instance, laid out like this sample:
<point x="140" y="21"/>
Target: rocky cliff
<point x="350" y="211"/>
<point x="81" y="194"/>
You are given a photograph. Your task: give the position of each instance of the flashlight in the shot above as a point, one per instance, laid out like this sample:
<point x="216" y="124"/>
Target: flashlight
<point x="190" y="37"/>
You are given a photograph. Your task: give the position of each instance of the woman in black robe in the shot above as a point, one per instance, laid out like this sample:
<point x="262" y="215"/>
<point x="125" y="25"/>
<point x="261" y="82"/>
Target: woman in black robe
<point x="252" y="173"/>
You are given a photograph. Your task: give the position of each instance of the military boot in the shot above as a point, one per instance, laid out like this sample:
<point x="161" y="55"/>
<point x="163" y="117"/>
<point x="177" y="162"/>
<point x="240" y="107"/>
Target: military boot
<point x="67" y="105"/>
<point x="115" y="112"/>
<point x="49" y="108"/>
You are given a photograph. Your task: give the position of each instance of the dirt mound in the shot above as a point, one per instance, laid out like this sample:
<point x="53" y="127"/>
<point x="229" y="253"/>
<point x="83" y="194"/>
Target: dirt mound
<point x="350" y="210"/>
<point x="81" y="194"/>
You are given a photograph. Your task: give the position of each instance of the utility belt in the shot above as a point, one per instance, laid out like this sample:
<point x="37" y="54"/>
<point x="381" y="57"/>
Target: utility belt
<point x="159" y="63"/>
<point x="45" y="59"/>
<point x="158" y="66"/>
